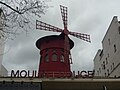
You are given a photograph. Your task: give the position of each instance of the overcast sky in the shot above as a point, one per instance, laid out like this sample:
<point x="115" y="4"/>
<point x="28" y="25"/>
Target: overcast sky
<point x="85" y="16"/>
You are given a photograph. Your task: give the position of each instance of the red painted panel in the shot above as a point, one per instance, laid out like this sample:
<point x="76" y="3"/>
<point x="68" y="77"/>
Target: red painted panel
<point x="52" y="68"/>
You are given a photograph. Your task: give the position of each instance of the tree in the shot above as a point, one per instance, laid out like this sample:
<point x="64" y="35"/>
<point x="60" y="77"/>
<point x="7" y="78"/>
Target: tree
<point x="18" y="15"/>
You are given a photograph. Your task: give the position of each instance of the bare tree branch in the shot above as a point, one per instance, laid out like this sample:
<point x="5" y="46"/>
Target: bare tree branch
<point x="19" y="15"/>
<point x="10" y="7"/>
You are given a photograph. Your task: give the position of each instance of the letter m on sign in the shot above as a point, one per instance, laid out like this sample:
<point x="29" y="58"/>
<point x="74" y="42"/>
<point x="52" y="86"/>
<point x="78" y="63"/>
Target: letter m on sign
<point x="13" y="74"/>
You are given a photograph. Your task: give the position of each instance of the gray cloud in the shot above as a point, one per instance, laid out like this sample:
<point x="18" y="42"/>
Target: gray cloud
<point x="85" y="16"/>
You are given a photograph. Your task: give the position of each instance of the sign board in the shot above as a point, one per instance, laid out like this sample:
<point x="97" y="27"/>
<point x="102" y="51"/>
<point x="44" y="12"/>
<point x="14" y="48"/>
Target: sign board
<point x="32" y="74"/>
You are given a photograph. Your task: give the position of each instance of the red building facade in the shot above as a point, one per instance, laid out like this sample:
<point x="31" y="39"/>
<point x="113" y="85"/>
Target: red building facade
<point x="52" y="57"/>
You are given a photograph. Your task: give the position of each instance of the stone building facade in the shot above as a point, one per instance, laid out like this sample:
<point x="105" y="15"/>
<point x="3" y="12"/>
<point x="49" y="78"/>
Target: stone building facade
<point x="107" y="60"/>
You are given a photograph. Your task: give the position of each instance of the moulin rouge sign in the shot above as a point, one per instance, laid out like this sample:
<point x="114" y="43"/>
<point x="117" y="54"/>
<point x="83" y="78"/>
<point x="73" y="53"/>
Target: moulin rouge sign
<point x="33" y="74"/>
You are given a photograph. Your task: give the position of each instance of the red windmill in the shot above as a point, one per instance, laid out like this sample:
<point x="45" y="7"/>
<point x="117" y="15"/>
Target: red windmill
<point x="55" y="49"/>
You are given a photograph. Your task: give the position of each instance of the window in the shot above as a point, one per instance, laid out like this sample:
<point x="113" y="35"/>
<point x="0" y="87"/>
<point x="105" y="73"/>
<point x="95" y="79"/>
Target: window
<point x="106" y="61"/>
<point x="108" y="71"/>
<point x="115" y="49"/>
<point x="46" y="58"/>
<point x="109" y="41"/>
<point x="119" y="29"/>
<point x="105" y="74"/>
<point x="62" y="58"/>
<point x="103" y="64"/>
<point x="100" y="70"/>
<point x="54" y="50"/>
<point x="54" y="57"/>
<point x="101" y="54"/>
<point x="113" y="65"/>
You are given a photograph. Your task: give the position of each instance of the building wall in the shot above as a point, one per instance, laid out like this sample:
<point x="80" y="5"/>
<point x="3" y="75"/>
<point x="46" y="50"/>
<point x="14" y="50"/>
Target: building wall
<point x="3" y="71"/>
<point x="107" y="61"/>
<point x="1" y="39"/>
<point x="20" y="85"/>
<point x="1" y="52"/>
<point x="96" y="63"/>
<point x="59" y="84"/>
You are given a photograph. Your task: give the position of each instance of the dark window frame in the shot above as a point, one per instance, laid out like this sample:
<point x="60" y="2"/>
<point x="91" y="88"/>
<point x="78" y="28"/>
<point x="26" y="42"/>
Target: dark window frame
<point x="46" y="58"/>
<point x="115" y="48"/>
<point x="54" y="57"/>
<point x="62" y="58"/>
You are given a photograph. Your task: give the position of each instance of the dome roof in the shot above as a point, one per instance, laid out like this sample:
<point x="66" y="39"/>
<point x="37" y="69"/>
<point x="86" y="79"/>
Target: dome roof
<point x="53" y="37"/>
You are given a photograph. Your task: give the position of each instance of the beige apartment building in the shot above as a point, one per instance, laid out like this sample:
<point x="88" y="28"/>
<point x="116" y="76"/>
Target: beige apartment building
<point x="107" y="60"/>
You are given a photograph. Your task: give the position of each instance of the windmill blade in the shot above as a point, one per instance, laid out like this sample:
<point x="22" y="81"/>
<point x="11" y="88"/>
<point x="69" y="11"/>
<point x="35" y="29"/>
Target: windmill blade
<point x="64" y="16"/>
<point x="47" y="27"/>
<point x="84" y="37"/>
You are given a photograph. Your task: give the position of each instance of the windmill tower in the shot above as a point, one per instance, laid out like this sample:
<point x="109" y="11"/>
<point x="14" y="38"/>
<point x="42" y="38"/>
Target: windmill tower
<point x="55" y="54"/>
